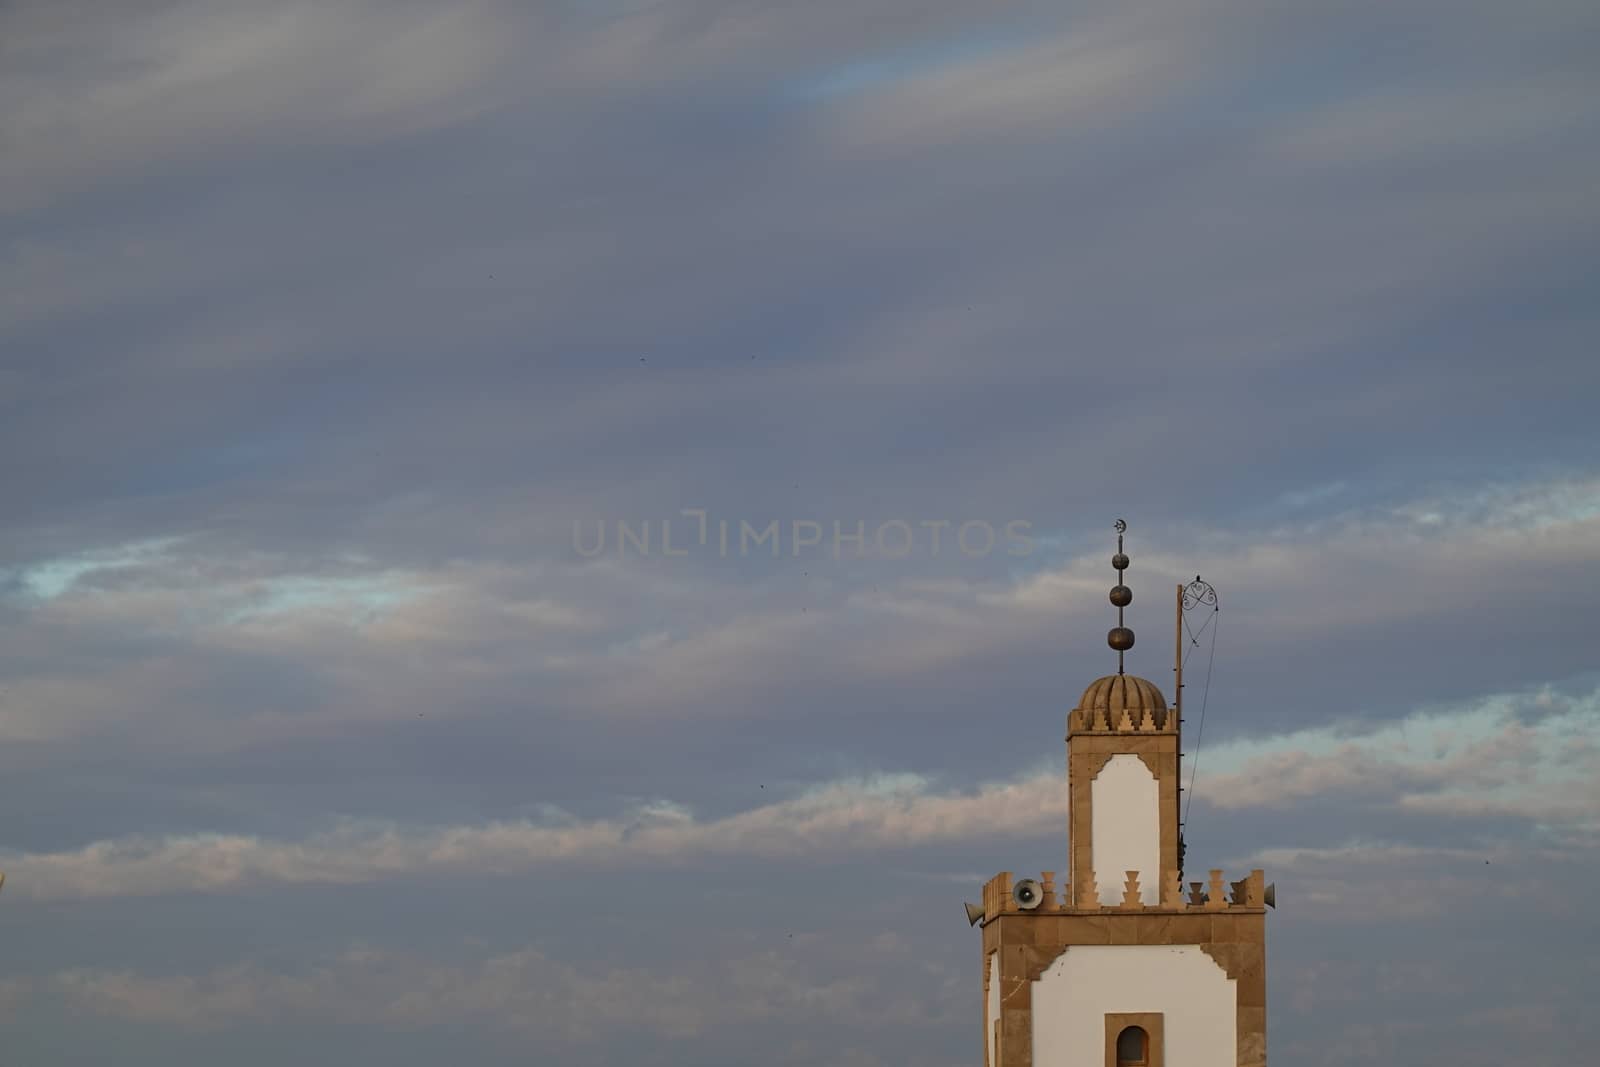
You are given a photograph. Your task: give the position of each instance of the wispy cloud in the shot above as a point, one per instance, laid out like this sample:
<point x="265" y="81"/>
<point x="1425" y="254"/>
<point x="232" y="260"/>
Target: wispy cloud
<point x="880" y="72"/>
<point x="895" y="812"/>
<point x="48" y="579"/>
<point x="523" y="991"/>
<point x="165" y="615"/>
<point x="1373" y="881"/>
<point x="1450" y="763"/>
<point x="1073" y="82"/>
<point x="154" y="89"/>
<point x="1533" y="755"/>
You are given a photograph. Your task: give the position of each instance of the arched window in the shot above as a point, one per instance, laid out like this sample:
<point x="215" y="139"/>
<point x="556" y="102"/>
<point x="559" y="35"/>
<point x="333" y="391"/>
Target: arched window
<point x="1133" y="1047"/>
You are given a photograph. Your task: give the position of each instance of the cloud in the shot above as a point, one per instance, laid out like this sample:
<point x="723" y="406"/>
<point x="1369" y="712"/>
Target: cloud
<point x="49" y="579"/>
<point x="151" y="91"/>
<point x="1383" y="882"/>
<point x="203" y="645"/>
<point x="1072" y="83"/>
<point x="1460" y="763"/>
<point x="522" y="992"/>
<point x="895" y="812"/>
<point x="1532" y="755"/>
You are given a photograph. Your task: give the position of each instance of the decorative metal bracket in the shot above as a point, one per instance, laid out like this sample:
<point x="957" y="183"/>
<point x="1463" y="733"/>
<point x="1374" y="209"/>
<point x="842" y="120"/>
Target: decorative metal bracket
<point x="1197" y="593"/>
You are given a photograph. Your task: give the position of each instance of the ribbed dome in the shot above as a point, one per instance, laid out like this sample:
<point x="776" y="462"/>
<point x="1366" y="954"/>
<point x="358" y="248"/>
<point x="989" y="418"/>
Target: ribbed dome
<point x="1118" y="692"/>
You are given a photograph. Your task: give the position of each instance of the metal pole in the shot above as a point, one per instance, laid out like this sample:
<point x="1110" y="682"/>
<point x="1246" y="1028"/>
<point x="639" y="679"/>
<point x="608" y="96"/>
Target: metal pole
<point x="1177" y="701"/>
<point x="1177" y="651"/>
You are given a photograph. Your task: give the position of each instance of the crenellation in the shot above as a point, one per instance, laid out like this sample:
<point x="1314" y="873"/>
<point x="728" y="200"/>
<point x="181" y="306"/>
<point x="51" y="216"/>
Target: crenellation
<point x="1215" y="900"/>
<point x="1172" y="892"/>
<point x="1243" y="896"/>
<point x="1130" y="892"/>
<point x="1047" y="887"/>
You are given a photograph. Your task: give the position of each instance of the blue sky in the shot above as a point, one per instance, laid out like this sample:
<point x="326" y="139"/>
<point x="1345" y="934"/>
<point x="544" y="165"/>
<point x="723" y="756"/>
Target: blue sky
<point x="324" y="325"/>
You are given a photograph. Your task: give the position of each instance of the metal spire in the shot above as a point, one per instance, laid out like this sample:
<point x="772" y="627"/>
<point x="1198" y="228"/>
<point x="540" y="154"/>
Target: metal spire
<point x="1120" y="637"/>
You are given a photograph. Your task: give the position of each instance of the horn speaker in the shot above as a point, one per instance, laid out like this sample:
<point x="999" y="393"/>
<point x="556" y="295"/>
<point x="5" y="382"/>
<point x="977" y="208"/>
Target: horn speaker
<point x="1270" y="895"/>
<point x="1027" y="894"/>
<point x="974" y="914"/>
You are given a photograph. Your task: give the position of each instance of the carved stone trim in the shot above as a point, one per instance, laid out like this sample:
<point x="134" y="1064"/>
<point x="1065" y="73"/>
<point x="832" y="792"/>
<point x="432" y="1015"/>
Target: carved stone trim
<point x="988" y="1038"/>
<point x="1224" y="957"/>
<point x="1028" y="962"/>
<point x="1245" y="963"/>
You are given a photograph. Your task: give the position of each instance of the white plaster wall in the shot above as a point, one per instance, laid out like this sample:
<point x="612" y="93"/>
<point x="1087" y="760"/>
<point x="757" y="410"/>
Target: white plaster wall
<point x="992" y="1009"/>
<point x="1196" y="997"/>
<point x="1126" y="825"/>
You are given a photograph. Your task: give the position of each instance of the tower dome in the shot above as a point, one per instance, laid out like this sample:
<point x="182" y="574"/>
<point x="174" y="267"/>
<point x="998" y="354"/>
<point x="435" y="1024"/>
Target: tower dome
<point x="1107" y="698"/>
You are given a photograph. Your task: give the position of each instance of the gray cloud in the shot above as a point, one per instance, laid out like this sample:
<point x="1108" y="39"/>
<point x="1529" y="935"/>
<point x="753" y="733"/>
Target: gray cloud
<point x="1463" y="763"/>
<point x="525" y="996"/>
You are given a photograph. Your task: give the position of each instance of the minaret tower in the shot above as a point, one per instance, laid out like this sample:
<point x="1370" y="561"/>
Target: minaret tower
<point x="1119" y="965"/>
<point x="1122" y="774"/>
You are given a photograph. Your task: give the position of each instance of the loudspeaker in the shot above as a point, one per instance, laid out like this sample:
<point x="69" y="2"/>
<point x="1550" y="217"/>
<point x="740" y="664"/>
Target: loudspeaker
<point x="1027" y="894"/>
<point x="974" y="914"/>
<point x="1270" y="895"/>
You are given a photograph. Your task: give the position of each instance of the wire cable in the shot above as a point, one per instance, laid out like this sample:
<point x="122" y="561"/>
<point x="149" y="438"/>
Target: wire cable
<point x="1205" y="698"/>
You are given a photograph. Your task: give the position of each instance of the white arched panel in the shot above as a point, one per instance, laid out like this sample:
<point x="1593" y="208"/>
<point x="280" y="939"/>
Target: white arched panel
<point x="1126" y="825"/>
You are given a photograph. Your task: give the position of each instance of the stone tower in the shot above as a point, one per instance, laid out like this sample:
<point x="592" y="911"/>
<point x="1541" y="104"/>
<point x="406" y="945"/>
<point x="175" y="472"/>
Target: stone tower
<point x="1120" y="966"/>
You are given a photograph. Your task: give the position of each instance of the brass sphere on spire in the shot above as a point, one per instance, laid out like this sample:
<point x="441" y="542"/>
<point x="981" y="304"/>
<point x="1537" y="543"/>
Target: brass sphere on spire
<point x="1120" y="638"/>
